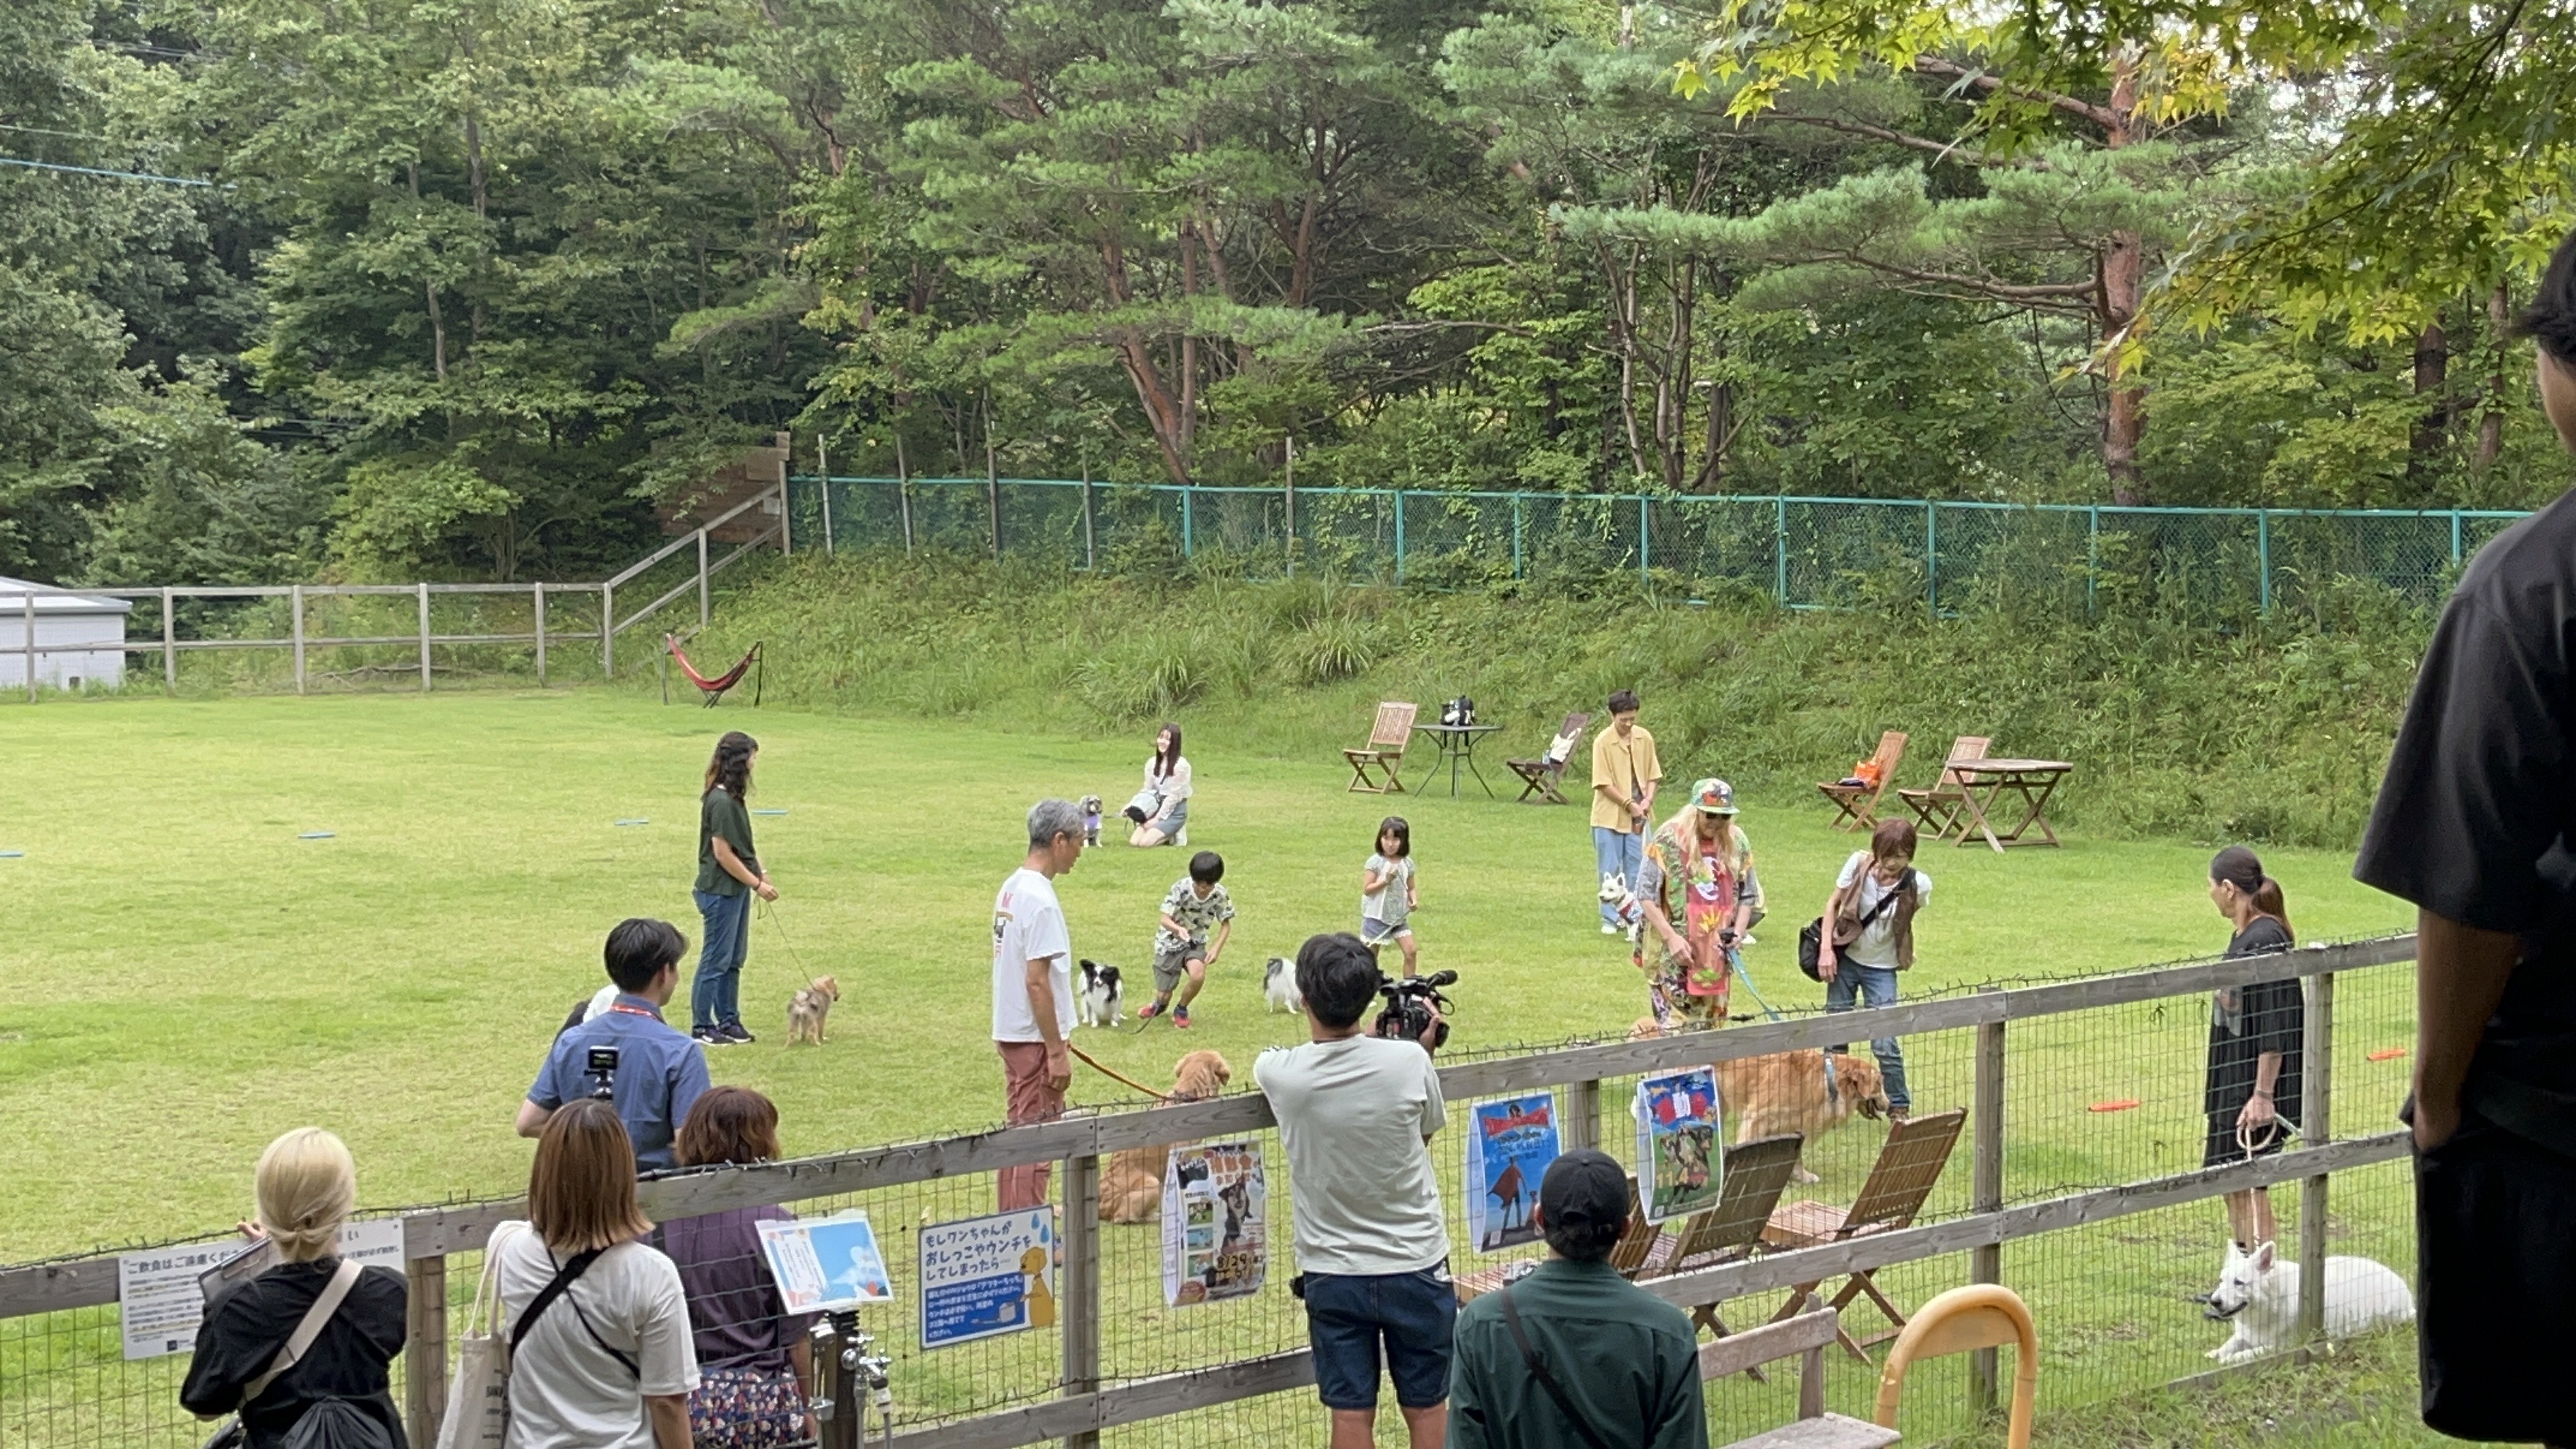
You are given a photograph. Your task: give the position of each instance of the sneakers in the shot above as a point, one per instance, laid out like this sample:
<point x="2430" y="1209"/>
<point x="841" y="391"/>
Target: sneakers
<point x="1181" y="1017"/>
<point x="709" y="1036"/>
<point x="1149" y="1011"/>
<point x="1181" y="837"/>
<point x="1608" y="929"/>
<point x="736" y="1033"/>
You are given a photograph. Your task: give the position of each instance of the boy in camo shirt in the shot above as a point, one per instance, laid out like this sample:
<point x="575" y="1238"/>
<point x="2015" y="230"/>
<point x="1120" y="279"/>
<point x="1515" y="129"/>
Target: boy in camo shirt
<point x="1183" y="948"/>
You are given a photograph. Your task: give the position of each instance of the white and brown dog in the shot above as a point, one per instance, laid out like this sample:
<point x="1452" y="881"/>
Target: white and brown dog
<point x="809" y="1008"/>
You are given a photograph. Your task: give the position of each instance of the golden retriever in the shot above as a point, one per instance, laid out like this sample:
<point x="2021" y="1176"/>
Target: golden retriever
<point x="1131" y="1186"/>
<point x="1787" y="1092"/>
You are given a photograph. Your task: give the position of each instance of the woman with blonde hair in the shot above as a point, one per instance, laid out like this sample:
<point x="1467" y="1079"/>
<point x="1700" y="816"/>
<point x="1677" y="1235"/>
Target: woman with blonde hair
<point x="597" y="1323"/>
<point x="305" y="1187"/>
<point x="1700" y="895"/>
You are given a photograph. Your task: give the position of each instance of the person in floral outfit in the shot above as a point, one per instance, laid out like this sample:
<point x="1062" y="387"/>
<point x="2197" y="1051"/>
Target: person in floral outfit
<point x="1701" y="896"/>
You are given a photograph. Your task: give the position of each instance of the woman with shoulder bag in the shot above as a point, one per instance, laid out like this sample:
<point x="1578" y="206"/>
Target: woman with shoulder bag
<point x="598" y="1326"/>
<point x="349" y="1323"/>
<point x="754" y="1357"/>
<point x="1871" y="912"/>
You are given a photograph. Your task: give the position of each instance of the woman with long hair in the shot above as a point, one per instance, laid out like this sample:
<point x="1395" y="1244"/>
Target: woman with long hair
<point x="603" y="1357"/>
<point x="1161" y="810"/>
<point x="2252" y="1093"/>
<point x="729" y="876"/>
<point x="754" y="1359"/>
<point x="1700" y="895"/>
<point x="305" y="1187"/>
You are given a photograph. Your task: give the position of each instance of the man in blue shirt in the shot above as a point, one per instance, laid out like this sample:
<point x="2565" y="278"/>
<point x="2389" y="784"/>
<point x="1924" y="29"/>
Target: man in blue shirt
<point x="660" y="1072"/>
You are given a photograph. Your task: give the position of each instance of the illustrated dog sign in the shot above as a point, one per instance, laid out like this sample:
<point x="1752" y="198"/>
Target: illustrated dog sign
<point x="826" y="1264"/>
<point x="983" y="1277"/>
<point x="1216" y="1216"/>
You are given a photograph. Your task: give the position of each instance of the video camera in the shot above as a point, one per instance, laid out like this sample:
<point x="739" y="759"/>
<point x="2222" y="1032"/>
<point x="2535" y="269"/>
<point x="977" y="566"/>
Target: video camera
<point x="601" y="1067"/>
<point x="1409" y="1007"/>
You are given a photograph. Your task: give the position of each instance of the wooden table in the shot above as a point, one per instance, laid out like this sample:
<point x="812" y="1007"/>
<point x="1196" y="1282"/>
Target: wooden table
<point x="1983" y="782"/>
<point x="1457" y="745"/>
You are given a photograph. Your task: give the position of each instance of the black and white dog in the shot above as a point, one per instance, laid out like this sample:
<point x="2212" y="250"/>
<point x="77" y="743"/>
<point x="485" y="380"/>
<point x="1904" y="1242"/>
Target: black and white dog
<point x="1279" y="986"/>
<point x="1098" y="1001"/>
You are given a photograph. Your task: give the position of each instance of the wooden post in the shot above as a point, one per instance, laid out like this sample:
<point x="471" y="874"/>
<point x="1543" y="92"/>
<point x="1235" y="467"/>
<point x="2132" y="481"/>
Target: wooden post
<point x="1078" y="1295"/>
<point x="1986" y="1193"/>
<point x="425" y="1350"/>
<point x="541" y="634"/>
<point x="607" y="631"/>
<point x="2316" y="1128"/>
<point x="169" y="642"/>
<point x="295" y="606"/>
<point x="1582" y="1124"/>
<point x="424" y="638"/>
<point x="702" y="578"/>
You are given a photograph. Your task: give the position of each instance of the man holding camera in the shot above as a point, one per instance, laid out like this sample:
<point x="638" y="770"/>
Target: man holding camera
<point x="1356" y="1113"/>
<point x="648" y="1069"/>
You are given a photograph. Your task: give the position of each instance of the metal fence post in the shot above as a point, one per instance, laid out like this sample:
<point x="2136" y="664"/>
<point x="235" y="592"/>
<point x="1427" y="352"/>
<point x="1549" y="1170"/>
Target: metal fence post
<point x="702" y="579"/>
<point x="541" y="634"/>
<point x="1645" y="541"/>
<point x="1780" y="550"/>
<point x="1399" y="535"/>
<point x="1517" y="568"/>
<point x="425" y="1349"/>
<point x="1188" y="543"/>
<point x="2316" y="1128"/>
<point x="823" y="465"/>
<point x="1291" y="540"/>
<point x="295" y="607"/>
<point x="992" y="484"/>
<point x="1932" y="558"/>
<point x="1986" y="1193"/>
<point x="2263" y="560"/>
<point x="169" y="641"/>
<point x="1090" y="545"/>
<point x="1078" y="1295"/>
<point x="2455" y="538"/>
<point x="607" y="631"/>
<point x="2092" y="555"/>
<point x="424" y="638"/>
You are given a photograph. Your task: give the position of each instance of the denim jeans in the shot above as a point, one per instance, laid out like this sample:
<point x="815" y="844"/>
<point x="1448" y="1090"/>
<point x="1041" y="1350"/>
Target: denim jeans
<point x="716" y="997"/>
<point x="1619" y="855"/>
<point x="1873" y="986"/>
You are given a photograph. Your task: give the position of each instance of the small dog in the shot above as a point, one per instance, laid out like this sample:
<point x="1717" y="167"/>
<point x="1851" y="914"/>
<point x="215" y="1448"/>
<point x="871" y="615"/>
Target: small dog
<point x="1624" y="904"/>
<point x="809" y="1008"/>
<point x="2260" y="1292"/>
<point x="1131" y="1186"/>
<point x="1790" y="1092"/>
<point x="1099" y="1000"/>
<point x="1090" y="819"/>
<point x="1279" y="986"/>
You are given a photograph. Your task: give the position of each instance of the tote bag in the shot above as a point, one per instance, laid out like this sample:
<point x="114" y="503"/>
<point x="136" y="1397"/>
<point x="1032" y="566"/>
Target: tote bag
<point x="478" y="1396"/>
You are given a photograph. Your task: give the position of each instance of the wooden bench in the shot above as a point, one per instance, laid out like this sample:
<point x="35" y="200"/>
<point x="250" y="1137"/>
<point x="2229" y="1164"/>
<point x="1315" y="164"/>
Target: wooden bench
<point x="1544" y="777"/>
<point x="1806" y="1336"/>
<point x="1384" y="751"/>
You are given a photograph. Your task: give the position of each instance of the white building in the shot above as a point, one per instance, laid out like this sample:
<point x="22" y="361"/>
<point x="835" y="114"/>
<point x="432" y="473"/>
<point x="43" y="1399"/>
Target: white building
<point x="64" y="624"/>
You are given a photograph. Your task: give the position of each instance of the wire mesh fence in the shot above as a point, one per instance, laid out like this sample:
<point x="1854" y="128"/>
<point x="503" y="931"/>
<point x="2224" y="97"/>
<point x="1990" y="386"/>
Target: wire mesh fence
<point x="2077" y="1105"/>
<point x="1800" y="552"/>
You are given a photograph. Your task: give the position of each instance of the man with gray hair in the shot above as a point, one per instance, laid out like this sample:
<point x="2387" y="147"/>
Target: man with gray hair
<point x="1033" y="988"/>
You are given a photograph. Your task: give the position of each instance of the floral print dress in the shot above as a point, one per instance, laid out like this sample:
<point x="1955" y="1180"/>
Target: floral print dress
<point x="1698" y="892"/>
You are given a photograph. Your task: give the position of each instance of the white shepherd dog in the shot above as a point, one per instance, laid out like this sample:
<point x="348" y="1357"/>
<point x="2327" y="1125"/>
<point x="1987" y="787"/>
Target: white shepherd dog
<point x="2259" y="1292"/>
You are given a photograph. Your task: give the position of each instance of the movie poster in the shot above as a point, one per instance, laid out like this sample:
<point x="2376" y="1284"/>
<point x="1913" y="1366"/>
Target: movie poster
<point x="1216" y="1223"/>
<point x="1509" y="1145"/>
<point x="1678" y="1158"/>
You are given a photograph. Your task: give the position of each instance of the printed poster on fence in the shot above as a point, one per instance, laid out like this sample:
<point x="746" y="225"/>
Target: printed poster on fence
<point x="1216" y="1216"/>
<point x="1678" y="1160"/>
<point x="983" y="1277"/>
<point x="826" y="1264"/>
<point x="161" y="1292"/>
<point x="1509" y="1145"/>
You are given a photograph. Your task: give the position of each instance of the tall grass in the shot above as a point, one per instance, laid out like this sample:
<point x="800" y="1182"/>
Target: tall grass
<point x="2274" y="730"/>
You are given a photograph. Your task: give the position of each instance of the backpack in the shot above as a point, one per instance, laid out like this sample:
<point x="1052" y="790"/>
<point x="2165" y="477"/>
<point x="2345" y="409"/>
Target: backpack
<point x="338" y="1424"/>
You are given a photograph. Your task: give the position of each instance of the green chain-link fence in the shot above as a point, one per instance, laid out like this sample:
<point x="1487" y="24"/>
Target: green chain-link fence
<point x="1801" y="552"/>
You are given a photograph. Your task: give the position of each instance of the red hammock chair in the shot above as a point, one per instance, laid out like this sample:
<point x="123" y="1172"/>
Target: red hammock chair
<point x="714" y="689"/>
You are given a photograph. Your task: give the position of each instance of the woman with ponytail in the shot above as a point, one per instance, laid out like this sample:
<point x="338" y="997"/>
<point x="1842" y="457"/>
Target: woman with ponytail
<point x="2255" y="1032"/>
<point x="729" y="875"/>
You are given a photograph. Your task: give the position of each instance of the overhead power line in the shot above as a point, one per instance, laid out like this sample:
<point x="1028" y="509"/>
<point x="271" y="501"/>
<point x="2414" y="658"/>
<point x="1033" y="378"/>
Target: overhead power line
<point x="97" y="171"/>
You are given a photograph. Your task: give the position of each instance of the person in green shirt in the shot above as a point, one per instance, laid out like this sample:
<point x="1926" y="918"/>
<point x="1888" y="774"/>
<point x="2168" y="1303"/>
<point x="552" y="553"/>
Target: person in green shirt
<point x="729" y="875"/>
<point x="1625" y="1364"/>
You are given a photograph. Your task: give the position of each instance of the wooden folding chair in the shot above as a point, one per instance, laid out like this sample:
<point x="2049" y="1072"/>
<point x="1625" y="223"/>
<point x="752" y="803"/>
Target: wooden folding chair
<point x="1858" y="804"/>
<point x="1384" y="752"/>
<point x="1980" y="1315"/>
<point x="1940" y="807"/>
<point x="1756" y="1172"/>
<point x="1806" y="1337"/>
<point x="1544" y="777"/>
<point x="1916" y="1151"/>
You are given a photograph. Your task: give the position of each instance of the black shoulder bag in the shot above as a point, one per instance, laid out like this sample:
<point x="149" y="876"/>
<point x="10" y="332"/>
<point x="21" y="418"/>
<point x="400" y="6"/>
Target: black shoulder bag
<point x="1811" y="937"/>
<point x="555" y="1288"/>
<point x="1546" y="1380"/>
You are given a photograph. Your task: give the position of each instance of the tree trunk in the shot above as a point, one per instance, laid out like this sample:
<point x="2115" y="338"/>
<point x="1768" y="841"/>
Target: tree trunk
<point x="2491" y="419"/>
<point x="437" y="323"/>
<point x="2121" y="273"/>
<point x="2432" y="425"/>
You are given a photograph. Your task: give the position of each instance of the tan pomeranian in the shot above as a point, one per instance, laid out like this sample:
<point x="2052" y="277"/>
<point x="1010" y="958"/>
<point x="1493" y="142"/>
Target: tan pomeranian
<point x="809" y="1008"/>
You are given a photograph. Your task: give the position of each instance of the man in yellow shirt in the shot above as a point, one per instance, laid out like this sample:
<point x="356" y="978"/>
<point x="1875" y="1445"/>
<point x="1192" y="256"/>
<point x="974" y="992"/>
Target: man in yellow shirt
<point x="1624" y="774"/>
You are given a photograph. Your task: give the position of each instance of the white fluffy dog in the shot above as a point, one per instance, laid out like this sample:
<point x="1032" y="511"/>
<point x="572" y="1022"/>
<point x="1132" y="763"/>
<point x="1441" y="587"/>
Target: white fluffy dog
<point x="1279" y="986"/>
<point x="1623" y="903"/>
<point x="2259" y="1292"/>
<point x="1100" y="998"/>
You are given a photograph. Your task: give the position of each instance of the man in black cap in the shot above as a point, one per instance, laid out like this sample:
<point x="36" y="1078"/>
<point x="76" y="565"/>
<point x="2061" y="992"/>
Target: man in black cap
<point x="1575" y="1356"/>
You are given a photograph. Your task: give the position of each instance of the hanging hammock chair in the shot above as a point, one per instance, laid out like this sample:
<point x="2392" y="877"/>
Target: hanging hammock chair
<point x="714" y="688"/>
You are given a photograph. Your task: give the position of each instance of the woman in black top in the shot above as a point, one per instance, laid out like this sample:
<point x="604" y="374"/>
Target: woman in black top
<point x="729" y="877"/>
<point x="2252" y="1095"/>
<point x="306" y="1188"/>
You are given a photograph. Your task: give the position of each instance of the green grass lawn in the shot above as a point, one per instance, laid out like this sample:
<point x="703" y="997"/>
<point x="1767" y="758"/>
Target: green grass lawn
<point x="190" y="978"/>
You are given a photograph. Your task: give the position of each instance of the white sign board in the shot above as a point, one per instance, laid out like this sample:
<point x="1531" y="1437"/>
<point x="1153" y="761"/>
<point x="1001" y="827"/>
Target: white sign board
<point x="160" y="1299"/>
<point x="826" y="1264"/>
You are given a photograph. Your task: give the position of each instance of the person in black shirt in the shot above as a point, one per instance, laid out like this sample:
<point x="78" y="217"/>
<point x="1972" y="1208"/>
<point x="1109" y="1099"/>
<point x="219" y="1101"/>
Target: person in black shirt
<point x="2476" y="825"/>
<point x="306" y="1188"/>
<point x="2255" y="1032"/>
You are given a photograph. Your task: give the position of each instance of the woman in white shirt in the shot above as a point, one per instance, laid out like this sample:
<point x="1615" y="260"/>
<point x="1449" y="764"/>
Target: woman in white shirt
<point x="1162" y="809"/>
<point x="606" y="1360"/>
<point x="1871" y="913"/>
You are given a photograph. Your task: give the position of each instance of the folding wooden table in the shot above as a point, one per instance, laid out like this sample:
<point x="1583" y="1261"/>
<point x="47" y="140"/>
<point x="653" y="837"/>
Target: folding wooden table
<point x="1984" y="782"/>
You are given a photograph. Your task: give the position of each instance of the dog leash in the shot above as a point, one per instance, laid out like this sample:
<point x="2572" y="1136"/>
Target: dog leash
<point x="1121" y="1077"/>
<point x="769" y="913"/>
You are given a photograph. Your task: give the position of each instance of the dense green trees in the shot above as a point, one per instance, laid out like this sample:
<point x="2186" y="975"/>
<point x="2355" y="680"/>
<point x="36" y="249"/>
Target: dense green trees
<point x="477" y="282"/>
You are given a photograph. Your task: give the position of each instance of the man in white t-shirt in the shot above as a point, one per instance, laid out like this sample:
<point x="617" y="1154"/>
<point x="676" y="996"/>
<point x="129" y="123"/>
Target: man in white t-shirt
<point x="1356" y="1113"/>
<point x="1033" y="988"/>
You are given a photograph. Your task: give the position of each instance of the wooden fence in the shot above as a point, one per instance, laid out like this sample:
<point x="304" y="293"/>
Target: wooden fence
<point x="698" y="579"/>
<point x="1085" y="1403"/>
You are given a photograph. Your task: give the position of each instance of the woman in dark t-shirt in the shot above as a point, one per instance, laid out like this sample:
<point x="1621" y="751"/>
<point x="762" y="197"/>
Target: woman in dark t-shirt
<point x="754" y="1358"/>
<point x="2252" y="1094"/>
<point x="729" y="876"/>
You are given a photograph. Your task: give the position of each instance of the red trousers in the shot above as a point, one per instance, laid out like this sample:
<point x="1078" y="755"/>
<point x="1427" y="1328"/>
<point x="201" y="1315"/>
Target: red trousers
<point x="1026" y="1099"/>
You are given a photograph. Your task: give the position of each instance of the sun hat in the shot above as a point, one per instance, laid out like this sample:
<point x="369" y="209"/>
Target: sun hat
<point x="1714" y="797"/>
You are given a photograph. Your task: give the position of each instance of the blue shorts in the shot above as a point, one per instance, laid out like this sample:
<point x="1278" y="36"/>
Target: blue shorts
<point x="1412" y="1314"/>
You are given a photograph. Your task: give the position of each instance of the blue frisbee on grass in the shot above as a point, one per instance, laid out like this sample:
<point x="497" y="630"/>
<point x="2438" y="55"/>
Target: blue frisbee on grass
<point x="316" y="835"/>
<point x="637" y="821"/>
<point x="769" y="812"/>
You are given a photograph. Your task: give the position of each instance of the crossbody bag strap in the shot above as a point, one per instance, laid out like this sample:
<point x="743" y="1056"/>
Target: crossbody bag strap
<point x="1546" y="1380"/>
<point x="309" y="1328"/>
<point x="558" y="1287"/>
<point x="1876" y="911"/>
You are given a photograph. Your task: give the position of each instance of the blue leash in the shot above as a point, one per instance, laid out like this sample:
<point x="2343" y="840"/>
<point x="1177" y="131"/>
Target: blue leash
<point x="1735" y="963"/>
